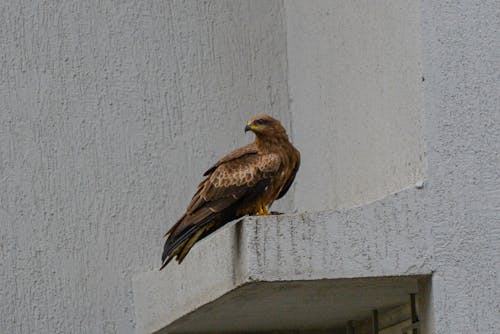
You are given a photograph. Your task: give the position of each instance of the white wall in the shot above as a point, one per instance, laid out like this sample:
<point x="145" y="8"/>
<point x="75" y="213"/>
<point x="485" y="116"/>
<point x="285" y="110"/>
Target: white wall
<point x="109" y="114"/>
<point x="355" y="82"/>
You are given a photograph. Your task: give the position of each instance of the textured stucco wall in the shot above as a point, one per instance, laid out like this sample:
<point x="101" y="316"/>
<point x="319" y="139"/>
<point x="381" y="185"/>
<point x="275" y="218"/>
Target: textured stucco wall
<point x="462" y="129"/>
<point x="109" y="113"/>
<point x="356" y="92"/>
<point x="355" y="83"/>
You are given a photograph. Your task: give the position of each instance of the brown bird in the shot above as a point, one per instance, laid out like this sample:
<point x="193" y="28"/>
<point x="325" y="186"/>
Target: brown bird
<point x="244" y="182"/>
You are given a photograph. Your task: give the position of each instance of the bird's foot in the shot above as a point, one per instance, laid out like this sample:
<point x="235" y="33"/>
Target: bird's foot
<point x="263" y="212"/>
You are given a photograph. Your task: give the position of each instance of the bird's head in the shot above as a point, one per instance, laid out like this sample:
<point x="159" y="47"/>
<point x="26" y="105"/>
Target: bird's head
<point x="265" y="126"/>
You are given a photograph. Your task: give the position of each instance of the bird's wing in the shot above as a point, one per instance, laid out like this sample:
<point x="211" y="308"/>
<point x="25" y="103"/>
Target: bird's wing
<point x="289" y="181"/>
<point x="238" y="153"/>
<point x="219" y="199"/>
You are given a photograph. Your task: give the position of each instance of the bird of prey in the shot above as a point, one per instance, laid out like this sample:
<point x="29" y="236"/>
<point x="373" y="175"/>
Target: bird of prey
<point x="244" y="182"/>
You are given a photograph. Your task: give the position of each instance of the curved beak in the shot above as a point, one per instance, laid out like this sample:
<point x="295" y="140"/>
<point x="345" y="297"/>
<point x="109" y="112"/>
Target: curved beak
<point x="248" y="128"/>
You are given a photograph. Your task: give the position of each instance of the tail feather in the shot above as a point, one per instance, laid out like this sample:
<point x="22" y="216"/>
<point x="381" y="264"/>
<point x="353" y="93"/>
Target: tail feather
<point x="166" y="259"/>
<point x="174" y="242"/>
<point x="179" y="245"/>
<point x="166" y="262"/>
<point x="190" y="229"/>
<point x="190" y="243"/>
<point x="174" y="227"/>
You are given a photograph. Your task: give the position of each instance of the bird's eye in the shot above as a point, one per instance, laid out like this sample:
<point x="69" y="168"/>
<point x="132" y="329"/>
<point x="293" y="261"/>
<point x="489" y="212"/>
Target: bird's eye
<point x="260" y="121"/>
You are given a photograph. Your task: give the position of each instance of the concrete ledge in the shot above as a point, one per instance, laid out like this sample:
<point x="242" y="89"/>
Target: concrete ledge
<point x="304" y="261"/>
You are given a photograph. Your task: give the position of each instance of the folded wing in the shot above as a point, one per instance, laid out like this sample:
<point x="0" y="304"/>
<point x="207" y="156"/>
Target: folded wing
<point x="233" y="183"/>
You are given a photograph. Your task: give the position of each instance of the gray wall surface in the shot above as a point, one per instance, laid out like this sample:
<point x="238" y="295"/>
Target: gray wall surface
<point x="462" y="131"/>
<point x="355" y="82"/>
<point x="109" y="114"/>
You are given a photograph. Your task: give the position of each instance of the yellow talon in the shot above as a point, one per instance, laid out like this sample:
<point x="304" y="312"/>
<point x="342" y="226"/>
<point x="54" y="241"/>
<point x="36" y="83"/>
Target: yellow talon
<point x="263" y="211"/>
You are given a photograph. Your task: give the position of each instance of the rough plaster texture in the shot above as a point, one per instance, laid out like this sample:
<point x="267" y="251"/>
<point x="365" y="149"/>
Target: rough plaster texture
<point x="457" y="212"/>
<point x="109" y="113"/>
<point x="462" y="133"/>
<point x="378" y="240"/>
<point x="355" y="84"/>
